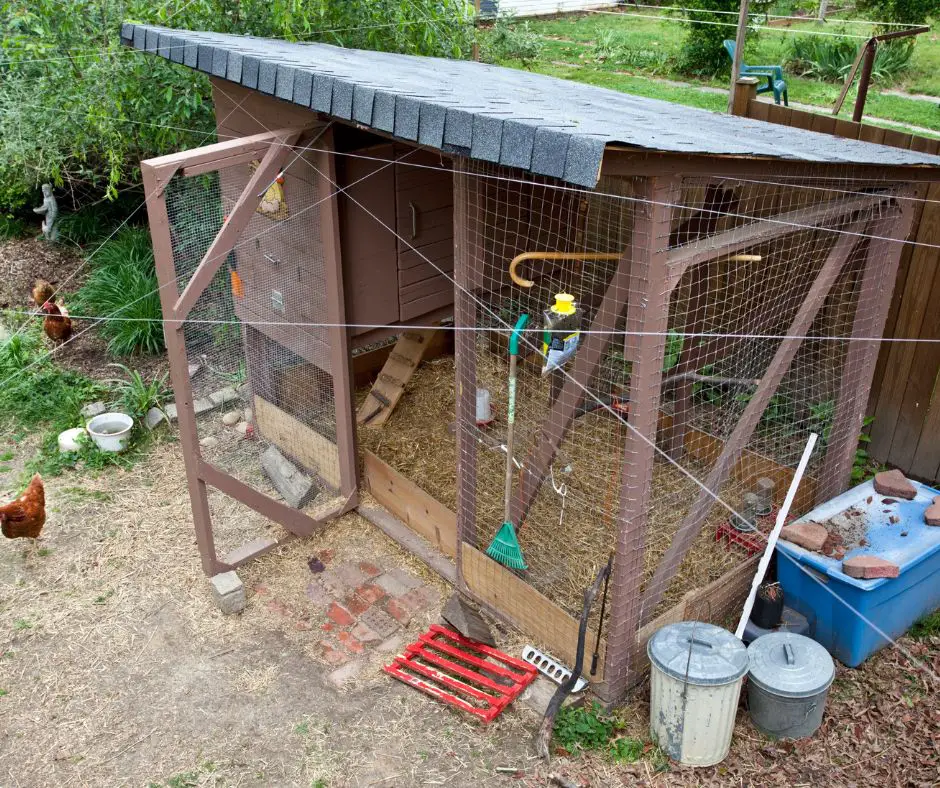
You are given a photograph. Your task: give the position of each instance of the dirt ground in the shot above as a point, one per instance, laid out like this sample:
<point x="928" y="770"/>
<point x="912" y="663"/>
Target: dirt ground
<point x="117" y="669"/>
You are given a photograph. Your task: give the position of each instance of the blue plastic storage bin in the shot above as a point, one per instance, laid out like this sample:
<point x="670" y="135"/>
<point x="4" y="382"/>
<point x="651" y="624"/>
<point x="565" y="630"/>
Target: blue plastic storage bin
<point x="837" y="605"/>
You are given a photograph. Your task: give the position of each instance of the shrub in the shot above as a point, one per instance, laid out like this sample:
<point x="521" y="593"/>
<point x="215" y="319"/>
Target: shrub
<point x="123" y="284"/>
<point x="703" y="53"/>
<point x="507" y="40"/>
<point x="11" y="227"/>
<point x="831" y="58"/>
<point x="78" y="108"/>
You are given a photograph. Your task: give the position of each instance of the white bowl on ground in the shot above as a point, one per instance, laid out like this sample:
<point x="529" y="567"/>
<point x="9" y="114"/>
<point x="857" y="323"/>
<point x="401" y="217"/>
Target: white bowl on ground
<point x="111" y="431"/>
<point x="70" y="440"/>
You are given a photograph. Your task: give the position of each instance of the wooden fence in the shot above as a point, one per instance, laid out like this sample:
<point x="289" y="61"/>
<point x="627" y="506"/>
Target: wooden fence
<point x="905" y="395"/>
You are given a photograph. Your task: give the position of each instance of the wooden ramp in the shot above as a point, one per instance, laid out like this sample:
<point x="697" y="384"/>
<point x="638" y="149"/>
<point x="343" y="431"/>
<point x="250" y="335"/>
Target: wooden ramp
<point x="398" y="369"/>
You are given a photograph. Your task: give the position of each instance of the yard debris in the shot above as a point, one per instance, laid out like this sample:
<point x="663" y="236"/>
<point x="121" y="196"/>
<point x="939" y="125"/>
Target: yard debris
<point x="93" y="409"/>
<point x="894" y="483"/>
<point x="869" y="567"/>
<point x="932" y="515"/>
<point x="809" y="535"/>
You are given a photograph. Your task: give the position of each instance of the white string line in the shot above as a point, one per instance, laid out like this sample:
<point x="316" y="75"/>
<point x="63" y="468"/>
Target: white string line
<point x="613" y="333"/>
<point x="758" y="14"/>
<point x="58" y="288"/>
<point x="603" y="405"/>
<point x="715" y="496"/>
<point x="185" y="275"/>
<point x="121" y="48"/>
<point x="785" y="30"/>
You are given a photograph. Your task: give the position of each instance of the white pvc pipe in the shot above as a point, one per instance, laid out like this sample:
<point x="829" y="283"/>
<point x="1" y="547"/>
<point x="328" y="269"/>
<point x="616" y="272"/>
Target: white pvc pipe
<point x="775" y="533"/>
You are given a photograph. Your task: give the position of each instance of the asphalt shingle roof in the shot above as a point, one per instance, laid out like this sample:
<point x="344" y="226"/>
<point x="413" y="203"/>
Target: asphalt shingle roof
<point x="546" y="125"/>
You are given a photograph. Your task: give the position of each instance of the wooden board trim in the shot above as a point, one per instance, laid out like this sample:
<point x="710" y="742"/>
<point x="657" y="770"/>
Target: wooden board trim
<point x="417" y="509"/>
<point x="298" y="440"/>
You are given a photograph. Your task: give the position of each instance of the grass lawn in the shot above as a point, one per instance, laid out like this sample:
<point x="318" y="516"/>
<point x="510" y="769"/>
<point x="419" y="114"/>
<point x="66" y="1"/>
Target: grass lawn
<point x="624" y="52"/>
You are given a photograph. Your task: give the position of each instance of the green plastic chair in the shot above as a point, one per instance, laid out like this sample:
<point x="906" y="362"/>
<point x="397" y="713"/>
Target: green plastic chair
<point x="774" y="75"/>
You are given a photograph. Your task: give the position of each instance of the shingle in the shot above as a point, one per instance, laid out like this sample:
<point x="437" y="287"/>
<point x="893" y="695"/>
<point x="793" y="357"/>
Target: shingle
<point x="234" y="72"/>
<point x="322" y="98"/>
<point x="250" y="66"/>
<point x="220" y="63"/>
<point x="342" y="99"/>
<point x="517" y="144"/>
<point x="284" y="83"/>
<point x="363" y="99"/>
<point x="458" y="127"/>
<point x="190" y="54"/>
<point x="582" y="160"/>
<point x="383" y="111"/>
<point x="303" y="87"/>
<point x="406" y="118"/>
<point x="267" y="75"/>
<point x="206" y="56"/>
<point x="431" y="119"/>
<point x="549" y="152"/>
<point x="487" y="137"/>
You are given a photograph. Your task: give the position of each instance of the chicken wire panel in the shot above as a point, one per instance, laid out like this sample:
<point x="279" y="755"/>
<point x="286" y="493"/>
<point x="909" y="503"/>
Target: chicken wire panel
<point x="257" y="337"/>
<point x="720" y="329"/>
<point x="733" y="321"/>
<point x="570" y="525"/>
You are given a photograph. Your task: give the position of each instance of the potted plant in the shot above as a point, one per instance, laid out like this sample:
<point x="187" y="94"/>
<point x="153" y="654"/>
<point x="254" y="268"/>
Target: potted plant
<point x="768" y="606"/>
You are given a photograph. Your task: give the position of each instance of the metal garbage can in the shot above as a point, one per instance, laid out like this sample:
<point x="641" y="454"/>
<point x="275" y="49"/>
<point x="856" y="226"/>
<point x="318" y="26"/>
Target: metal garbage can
<point x="788" y="684"/>
<point x="695" y="683"/>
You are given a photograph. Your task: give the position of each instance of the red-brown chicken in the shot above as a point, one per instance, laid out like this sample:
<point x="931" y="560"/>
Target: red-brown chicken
<point x="42" y="292"/>
<point x="24" y="517"/>
<point x="58" y="326"/>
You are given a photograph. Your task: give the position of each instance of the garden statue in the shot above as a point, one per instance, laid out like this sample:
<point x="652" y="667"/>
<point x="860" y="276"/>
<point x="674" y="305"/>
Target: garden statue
<point x="50" y="212"/>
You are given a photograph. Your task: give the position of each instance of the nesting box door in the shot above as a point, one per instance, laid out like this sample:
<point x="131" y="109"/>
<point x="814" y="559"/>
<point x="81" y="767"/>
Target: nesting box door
<point x="396" y="224"/>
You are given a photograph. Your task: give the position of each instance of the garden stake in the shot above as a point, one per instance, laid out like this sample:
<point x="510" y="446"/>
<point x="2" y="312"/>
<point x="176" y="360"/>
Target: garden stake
<point x="505" y="545"/>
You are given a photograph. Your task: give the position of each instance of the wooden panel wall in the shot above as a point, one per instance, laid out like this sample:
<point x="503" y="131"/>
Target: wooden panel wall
<point x="905" y="395"/>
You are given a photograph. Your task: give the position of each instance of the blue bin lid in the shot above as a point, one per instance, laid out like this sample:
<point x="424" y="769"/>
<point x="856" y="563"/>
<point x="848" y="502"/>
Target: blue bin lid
<point x="790" y="665"/>
<point x="698" y="653"/>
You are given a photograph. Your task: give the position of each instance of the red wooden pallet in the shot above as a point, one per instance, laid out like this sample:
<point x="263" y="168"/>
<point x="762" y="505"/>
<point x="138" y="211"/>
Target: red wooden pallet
<point x="488" y="679"/>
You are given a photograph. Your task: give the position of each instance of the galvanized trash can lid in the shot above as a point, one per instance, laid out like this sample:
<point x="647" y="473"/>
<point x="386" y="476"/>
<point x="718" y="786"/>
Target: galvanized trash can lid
<point x="790" y="665"/>
<point x="701" y="653"/>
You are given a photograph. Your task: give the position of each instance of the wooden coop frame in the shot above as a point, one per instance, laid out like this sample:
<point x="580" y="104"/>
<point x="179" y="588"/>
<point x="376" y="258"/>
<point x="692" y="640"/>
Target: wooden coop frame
<point x="639" y="292"/>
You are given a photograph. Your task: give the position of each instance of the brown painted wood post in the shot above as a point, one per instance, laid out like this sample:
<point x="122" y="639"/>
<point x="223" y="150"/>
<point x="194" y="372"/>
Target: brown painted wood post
<point x="466" y="218"/>
<point x="647" y="315"/>
<point x="745" y="91"/>
<point x="871" y="312"/>
<point x="179" y="365"/>
<point x="339" y="334"/>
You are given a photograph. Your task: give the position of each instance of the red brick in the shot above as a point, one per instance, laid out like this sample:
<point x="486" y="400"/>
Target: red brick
<point x="894" y="483"/>
<point x="325" y="556"/>
<point x="932" y="515"/>
<point x="328" y="627"/>
<point x="371" y="593"/>
<point x="810" y="535"/>
<point x="276" y="606"/>
<point x="370" y="569"/>
<point x="350" y="642"/>
<point x="397" y="611"/>
<point x="869" y="567"/>
<point x="363" y="634"/>
<point x="303" y="626"/>
<point x="332" y="656"/>
<point x="339" y="614"/>
<point x="356" y="604"/>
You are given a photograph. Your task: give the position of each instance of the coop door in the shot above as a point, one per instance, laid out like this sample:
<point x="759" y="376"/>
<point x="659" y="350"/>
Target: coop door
<point x="245" y="237"/>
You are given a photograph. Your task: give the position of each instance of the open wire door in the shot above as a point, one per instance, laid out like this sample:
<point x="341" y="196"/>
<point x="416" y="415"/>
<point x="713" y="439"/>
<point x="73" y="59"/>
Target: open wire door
<point x="245" y="240"/>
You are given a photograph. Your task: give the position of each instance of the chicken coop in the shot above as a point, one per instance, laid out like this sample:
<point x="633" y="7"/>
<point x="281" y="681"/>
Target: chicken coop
<point x="728" y="285"/>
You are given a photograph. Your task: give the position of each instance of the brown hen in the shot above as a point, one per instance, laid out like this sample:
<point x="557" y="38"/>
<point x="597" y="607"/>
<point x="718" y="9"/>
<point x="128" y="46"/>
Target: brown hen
<point x="24" y="517"/>
<point x="42" y="292"/>
<point x="57" y="325"/>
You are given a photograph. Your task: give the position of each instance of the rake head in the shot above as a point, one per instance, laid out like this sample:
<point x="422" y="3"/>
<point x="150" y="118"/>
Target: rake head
<point x="505" y="548"/>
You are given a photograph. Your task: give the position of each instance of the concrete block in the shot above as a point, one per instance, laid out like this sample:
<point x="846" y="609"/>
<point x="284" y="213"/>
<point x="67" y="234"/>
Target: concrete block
<point x="406" y="579"/>
<point x="295" y="486"/>
<point x="347" y="672"/>
<point x="229" y="593"/>
<point x="93" y="409"/>
<point x="170" y="410"/>
<point x="153" y="418"/>
<point x="539" y="693"/>
<point x="223" y="396"/>
<point x="392" y="585"/>
<point x="203" y="405"/>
